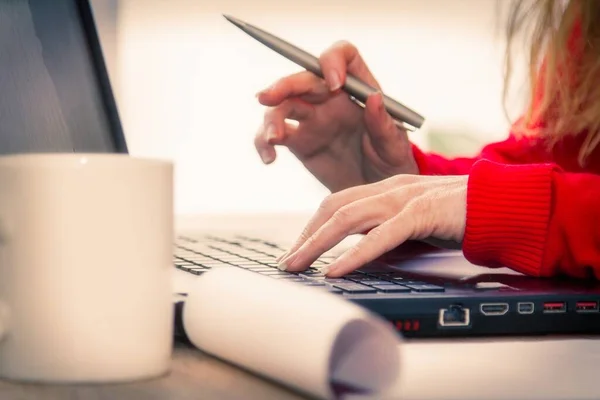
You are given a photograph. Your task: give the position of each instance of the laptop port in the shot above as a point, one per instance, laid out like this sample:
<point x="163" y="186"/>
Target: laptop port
<point x="555" y="307"/>
<point x="525" y="308"/>
<point x="454" y="316"/>
<point x="490" y="309"/>
<point x="586" y="306"/>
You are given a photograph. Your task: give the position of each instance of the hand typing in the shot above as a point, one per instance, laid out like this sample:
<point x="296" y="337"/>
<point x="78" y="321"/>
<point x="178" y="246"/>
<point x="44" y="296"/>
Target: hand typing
<point x="394" y="210"/>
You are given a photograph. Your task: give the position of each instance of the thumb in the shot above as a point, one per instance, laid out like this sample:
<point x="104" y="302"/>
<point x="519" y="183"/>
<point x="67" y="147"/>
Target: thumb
<point x="385" y="136"/>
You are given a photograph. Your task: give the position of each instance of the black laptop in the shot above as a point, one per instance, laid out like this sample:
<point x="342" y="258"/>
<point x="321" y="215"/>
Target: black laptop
<point x="422" y="291"/>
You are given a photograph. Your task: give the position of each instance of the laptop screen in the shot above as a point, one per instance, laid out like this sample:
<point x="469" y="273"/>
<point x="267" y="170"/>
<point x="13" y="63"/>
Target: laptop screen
<point x="54" y="90"/>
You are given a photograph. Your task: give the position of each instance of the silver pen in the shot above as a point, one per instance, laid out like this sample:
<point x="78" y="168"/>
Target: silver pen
<point x="357" y="89"/>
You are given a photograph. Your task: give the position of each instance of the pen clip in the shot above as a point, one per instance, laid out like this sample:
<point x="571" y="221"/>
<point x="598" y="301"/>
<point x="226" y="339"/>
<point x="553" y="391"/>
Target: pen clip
<point x="399" y="124"/>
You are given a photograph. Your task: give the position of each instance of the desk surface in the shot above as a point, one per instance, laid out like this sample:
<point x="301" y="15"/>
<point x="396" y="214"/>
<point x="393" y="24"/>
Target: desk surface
<point x="536" y="369"/>
<point x="193" y="375"/>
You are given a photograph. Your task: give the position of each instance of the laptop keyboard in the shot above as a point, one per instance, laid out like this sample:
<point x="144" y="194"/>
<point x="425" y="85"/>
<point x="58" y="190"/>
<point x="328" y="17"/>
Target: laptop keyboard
<point x="197" y="255"/>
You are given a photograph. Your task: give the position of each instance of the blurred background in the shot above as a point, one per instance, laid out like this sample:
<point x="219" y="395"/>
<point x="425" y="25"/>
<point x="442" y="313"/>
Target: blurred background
<point x="185" y="81"/>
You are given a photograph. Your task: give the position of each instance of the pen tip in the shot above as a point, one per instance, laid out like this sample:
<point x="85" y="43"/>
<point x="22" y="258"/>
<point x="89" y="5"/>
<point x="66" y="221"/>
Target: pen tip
<point x="233" y="20"/>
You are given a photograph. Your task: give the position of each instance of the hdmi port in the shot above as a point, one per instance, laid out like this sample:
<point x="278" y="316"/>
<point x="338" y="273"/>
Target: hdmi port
<point x="490" y="309"/>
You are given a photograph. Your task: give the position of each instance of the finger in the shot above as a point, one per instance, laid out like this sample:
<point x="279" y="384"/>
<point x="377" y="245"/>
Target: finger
<point x="328" y="206"/>
<point x="275" y="129"/>
<point x="266" y="148"/>
<point x="305" y="85"/>
<point x="384" y="135"/>
<point x="377" y="242"/>
<point x="274" y="119"/>
<point x="339" y="60"/>
<point x="356" y="217"/>
<point x="334" y="202"/>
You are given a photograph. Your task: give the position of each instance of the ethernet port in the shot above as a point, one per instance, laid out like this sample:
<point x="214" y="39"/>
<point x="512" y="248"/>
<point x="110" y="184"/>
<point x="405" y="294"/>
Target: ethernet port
<point x="454" y="316"/>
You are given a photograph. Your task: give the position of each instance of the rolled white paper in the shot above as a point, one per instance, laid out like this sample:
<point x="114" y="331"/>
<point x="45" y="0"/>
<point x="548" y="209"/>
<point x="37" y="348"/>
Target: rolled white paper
<point x="300" y="336"/>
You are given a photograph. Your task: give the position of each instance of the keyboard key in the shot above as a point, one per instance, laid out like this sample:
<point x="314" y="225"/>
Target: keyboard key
<point x="388" y="274"/>
<point x="363" y="277"/>
<point x="406" y="281"/>
<point x="391" y="288"/>
<point x="309" y="274"/>
<point x="375" y="282"/>
<point x="231" y="260"/>
<point x="183" y="263"/>
<point x="261" y="250"/>
<point x="330" y="281"/>
<point x="288" y="278"/>
<point x="313" y="283"/>
<point x="274" y="272"/>
<point x="214" y="264"/>
<point x="182" y="258"/>
<point x="354" y="288"/>
<point x="264" y="259"/>
<point x="422" y="288"/>
<point x="357" y="275"/>
<point x="260" y="269"/>
<point x="197" y="271"/>
<point x="244" y="252"/>
<point x="197" y="259"/>
<point x="247" y="263"/>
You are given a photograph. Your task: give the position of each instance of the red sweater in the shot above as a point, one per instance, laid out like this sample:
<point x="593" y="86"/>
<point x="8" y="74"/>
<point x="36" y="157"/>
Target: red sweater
<point x="529" y="209"/>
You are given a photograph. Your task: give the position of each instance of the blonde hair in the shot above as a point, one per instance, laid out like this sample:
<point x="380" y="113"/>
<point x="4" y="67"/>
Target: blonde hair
<point x="564" y="68"/>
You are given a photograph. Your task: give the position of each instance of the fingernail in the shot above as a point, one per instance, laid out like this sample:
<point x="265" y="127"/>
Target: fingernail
<point x="266" y="90"/>
<point x="271" y="132"/>
<point x="266" y="157"/>
<point x="379" y="101"/>
<point x="334" y="81"/>
<point x="282" y="266"/>
<point x="258" y="94"/>
<point x="325" y="270"/>
<point x="286" y="262"/>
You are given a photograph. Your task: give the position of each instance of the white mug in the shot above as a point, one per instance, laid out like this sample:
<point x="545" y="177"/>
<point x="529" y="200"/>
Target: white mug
<point x="86" y="245"/>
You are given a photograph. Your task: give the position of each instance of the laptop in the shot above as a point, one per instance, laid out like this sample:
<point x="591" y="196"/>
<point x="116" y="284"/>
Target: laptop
<point x="423" y="291"/>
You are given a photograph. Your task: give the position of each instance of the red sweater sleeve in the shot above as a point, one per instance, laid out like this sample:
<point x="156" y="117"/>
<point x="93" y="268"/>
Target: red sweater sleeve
<point x="535" y="219"/>
<point x="513" y="150"/>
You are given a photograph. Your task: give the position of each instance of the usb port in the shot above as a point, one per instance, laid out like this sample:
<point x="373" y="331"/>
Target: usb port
<point x="555" y="307"/>
<point x="525" y="308"/>
<point x="586" y="306"/>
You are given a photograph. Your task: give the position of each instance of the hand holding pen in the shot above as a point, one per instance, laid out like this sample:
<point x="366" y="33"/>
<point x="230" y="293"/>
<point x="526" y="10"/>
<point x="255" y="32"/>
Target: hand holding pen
<point x="358" y="90"/>
<point x="341" y="144"/>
